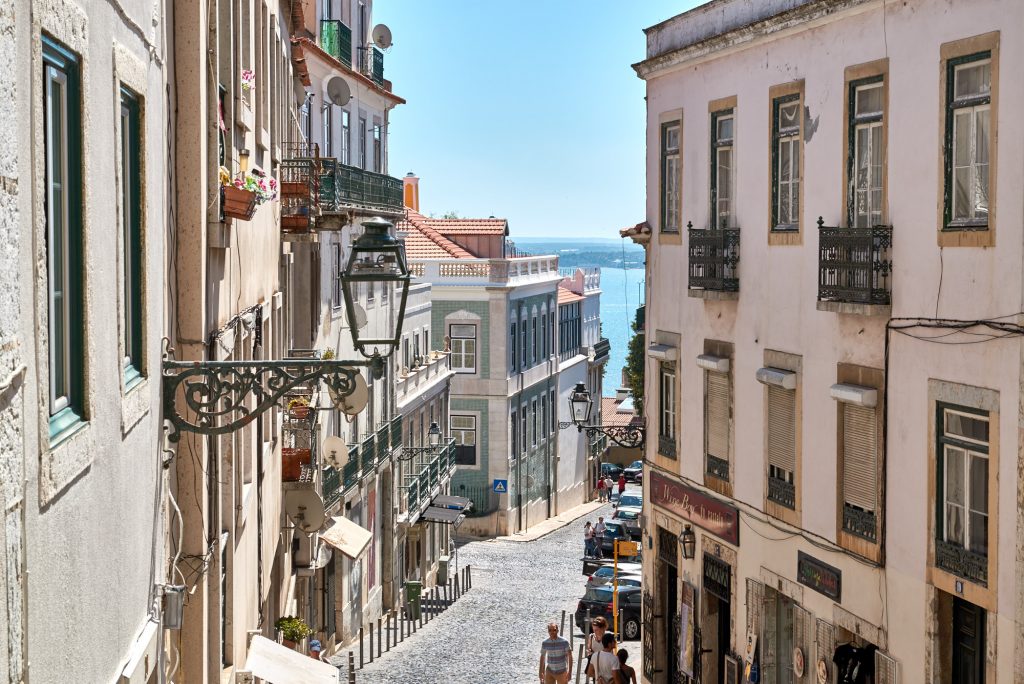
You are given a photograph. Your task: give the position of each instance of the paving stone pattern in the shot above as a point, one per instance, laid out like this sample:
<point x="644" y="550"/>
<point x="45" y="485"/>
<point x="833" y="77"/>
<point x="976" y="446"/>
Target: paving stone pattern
<point x="492" y="635"/>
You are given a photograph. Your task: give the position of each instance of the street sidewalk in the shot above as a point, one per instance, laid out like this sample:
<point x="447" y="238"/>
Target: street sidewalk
<point x="542" y="529"/>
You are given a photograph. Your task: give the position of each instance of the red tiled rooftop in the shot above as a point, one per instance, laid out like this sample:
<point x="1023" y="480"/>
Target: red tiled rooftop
<point x="487" y="226"/>
<point x="610" y="414"/>
<point x="567" y="296"/>
<point x="424" y="242"/>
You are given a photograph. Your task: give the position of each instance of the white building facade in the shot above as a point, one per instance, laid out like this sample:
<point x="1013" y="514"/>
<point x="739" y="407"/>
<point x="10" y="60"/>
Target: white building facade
<point x="832" y="410"/>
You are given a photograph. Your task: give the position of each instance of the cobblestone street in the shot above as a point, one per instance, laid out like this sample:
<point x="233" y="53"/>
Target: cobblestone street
<point x="492" y="634"/>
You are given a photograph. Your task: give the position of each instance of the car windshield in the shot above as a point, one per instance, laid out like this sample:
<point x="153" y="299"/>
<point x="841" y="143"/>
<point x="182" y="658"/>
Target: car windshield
<point x="598" y="594"/>
<point x="627" y="514"/>
<point x="636" y="464"/>
<point x="631" y="500"/>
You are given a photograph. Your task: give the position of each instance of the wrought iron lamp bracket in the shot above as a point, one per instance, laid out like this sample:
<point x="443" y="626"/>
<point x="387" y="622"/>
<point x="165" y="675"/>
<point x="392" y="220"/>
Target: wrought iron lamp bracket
<point x="626" y="436"/>
<point x="219" y="397"/>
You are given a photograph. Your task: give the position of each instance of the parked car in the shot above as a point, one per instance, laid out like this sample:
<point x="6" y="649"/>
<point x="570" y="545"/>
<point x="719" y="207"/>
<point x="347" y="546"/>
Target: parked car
<point x="611" y="470"/>
<point x="634" y="470"/>
<point x="614" y="529"/>
<point x="639" y="477"/>
<point x="630" y="500"/>
<point x="630" y="517"/>
<point x="604" y="574"/>
<point x="599" y="601"/>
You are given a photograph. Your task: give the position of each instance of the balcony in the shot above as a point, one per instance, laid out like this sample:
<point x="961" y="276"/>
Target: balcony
<point x="336" y="40"/>
<point x="371" y="64"/>
<point x="432" y="367"/>
<point x="602" y="350"/>
<point x="961" y="562"/>
<point x="427" y="474"/>
<point x="714" y="257"/>
<point x="854" y="269"/>
<point x="500" y="272"/>
<point x="300" y="191"/>
<point x="344" y="187"/>
<point x="362" y="462"/>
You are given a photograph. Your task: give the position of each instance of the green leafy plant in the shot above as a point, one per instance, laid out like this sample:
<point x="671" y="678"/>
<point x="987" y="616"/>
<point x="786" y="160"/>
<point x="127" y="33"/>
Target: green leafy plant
<point x="298" y="402"/>
<point x="635" y="365"/>
<point x="327" y="355"/>
<point x="292" y="628"/>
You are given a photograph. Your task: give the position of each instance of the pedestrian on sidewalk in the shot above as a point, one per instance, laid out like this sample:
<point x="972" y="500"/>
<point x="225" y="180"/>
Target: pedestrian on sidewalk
<point x="555" y="658"/>
<point x="605" y="662"/>
<point x="602" y="491"/>
<point x="626" y="673"/>
<point x="608" y="484"/>
<point x="599" y="529"/>
<point x="588" y="540"/>
<point x="593" y="646"/>
<point x="622" y="484"/>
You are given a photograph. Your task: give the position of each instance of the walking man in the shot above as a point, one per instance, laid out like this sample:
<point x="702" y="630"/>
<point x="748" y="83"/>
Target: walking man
<point x="601" y="490"/>
<point x="622" y="484"/>
<point x="555" y="658"/>
<point x="599" y="537"/>
<point x="588" y="540"/>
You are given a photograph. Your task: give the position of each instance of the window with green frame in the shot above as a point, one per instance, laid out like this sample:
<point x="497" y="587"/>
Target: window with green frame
<point x="63" y="199"/>
<point x="866" y="152"/>
<point x="722" y="141"/>
<point x="786" y="148"/>
<point x="131" y="219"/>
<point x="670" y="190"/>
<point x="968" y="141"/>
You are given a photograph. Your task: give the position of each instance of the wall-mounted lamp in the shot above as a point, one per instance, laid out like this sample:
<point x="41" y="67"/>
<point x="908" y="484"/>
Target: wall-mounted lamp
<point x="243" y="159"/>
<point x="688" y="542"/>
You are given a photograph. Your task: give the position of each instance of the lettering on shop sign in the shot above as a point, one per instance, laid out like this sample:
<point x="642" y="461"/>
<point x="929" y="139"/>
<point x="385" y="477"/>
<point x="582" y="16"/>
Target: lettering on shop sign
<point x="821" y="577"/>
<point x="706" y="512"/>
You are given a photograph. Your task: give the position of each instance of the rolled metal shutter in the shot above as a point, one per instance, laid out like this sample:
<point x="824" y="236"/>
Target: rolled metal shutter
<point x="716" y="415"/>
<point x="860" y="462"/>
<point x="782" y="428"/>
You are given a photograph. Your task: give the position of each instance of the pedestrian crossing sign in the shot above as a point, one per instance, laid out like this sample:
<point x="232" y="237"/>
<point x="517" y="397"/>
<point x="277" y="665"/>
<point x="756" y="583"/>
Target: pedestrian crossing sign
<point x="501" y="486"/>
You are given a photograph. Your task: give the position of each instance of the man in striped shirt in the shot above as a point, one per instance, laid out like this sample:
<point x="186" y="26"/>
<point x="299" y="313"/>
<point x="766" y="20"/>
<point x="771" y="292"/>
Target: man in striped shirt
<point x="555" y="658"/>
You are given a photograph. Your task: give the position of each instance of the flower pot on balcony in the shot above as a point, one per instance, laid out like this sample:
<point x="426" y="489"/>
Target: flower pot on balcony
<point x="299" y="412"/>
<point x="295" y="223"/>
<point x="294" y="189"/>
<point x="292" y="461"/>
<point x="237" y="203"/>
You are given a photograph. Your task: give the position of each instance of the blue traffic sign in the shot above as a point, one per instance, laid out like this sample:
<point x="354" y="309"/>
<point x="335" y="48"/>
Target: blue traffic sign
<point x="501" y="486"/>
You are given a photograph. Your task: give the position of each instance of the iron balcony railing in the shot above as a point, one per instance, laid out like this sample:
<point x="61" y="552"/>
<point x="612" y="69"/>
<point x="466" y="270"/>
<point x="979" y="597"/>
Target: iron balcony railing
<point x="344" y="187"/>
<point x="336" y="40"/>
<point x="428" y="474"/>
<point x="714" y="257"/>
<point x="299" y="187"/>
<point x="854" y="264"/>
<point x="371" y="63"/>
<point x="602" y="349"/>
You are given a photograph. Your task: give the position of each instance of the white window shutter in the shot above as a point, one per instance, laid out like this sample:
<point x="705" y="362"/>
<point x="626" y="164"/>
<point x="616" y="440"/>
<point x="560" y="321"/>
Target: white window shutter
<point x="824" y="648"/>
<point x="860" y="461"/>
<point x="716" y="415"/>
<point x="887" y="670"/>
<point x="782" y="428"/>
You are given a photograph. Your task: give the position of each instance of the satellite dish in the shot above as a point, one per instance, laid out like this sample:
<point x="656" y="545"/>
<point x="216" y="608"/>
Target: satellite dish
<point x="356" y="401"/>
<point x="323" y="557"/>
<point x="381" y="36"/>
<point x="334" y="451"/>
<point x="358" y="317"/>
<point x="305" y="508"/>
<point x="338" y="91"/>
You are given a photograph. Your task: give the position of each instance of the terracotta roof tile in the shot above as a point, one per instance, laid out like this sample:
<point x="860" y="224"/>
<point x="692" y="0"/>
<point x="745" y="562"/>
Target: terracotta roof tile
<point x="423" y="242"/>
<point x="610" y="414"/>
<point x="568" y="296"/>
<point x="487" y="226"/>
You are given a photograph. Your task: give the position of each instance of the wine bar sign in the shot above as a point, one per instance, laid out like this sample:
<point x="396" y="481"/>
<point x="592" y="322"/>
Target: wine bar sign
<point x="715" y="516"/>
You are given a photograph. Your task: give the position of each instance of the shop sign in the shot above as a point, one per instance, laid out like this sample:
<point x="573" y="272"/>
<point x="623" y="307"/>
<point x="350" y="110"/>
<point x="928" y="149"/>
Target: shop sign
<point x="706" y="512"/>
<point x="819" y="576"/>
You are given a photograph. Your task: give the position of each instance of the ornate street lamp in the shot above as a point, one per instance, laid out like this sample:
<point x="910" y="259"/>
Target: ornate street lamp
<point x="688" y="542"/>
<point x="217" y="397"/>
<point x="377" y="258"/>
<point x="630" y="436"/>
<point x="433" y="444"/>
<point x="434" y="435"/>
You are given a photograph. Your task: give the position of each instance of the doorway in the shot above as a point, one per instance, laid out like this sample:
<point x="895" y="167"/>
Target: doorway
<point x="777" y="638"/>
<point x="715" y="625"/>
<point x="968" y="642"/>
<point x="668" y="589"/>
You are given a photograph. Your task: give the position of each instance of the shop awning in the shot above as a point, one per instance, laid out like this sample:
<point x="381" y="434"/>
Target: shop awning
<point x="346" y="536"/>
<point x="460" y="503"/>
<point x="447" y="516"/>
<point x="279" y="664"/>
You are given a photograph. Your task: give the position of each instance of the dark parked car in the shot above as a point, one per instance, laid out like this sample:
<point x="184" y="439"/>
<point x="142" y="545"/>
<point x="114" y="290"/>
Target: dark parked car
<point x="630" y="517"/>
<point x="633" y="470"/>
<point x="628" y="500"/>
<point x="614" y="529"/>
<point x="605" y="573"/>
<point x="599" y="601"/>
<point x="611" y="470"/>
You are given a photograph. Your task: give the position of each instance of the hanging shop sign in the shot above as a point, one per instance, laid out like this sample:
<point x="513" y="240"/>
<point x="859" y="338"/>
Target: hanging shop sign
<point x="706" y="512"/>
<point x="819" y="576"/>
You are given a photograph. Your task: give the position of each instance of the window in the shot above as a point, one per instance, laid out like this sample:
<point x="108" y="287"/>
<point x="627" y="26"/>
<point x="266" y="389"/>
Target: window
<point x="544" y="416"/>
<point x="533" y="421"/>
<point x="722" y="124"/>
<point x="667" y="410"/>
<point x="515" y="435"/>
<point x="534" y="355"/>
<point x="782" y="446"/>
<point x="63" y="198"/>
<point x="867" y="150"/>
<point x="463" y="430"/>
<point x="786" y="154"/>
<point x="554" y="411"/>
<point x="962" y="529"/>
<point x="860" y="470"/>
<point x="670" y="178"/>
<point x="717" y="399"/>
<point x="544" y="335"/>
<point x="522" y="342"/>
<point x="522" y="427"/>
<point x="326" y="114"/>
<point x="515" y="346"/>
<point x="326" y="10"/>
<point x="131" y="232"/>
<point x="362" y="142"/>
<point x="463" y="357"/>
<point x="968" y="140"/>
<point x="378" y="149"/>
<point x="336" y="267"/>
<point x="346" y="142"/>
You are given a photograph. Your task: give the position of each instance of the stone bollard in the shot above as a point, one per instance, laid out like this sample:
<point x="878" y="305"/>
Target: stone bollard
<point x="362" y="662"/>
<point x="351" y="668"/>
<point x="371" y="644"/>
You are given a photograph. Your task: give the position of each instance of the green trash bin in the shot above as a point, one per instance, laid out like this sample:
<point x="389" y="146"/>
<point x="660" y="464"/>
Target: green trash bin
<point x="413" y="590"/>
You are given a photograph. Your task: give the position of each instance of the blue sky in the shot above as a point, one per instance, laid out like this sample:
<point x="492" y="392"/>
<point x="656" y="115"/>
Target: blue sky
<point x="526" y="110"/>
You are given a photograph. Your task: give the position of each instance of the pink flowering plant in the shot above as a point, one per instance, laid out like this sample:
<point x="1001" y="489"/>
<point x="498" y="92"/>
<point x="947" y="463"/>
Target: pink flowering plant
<point x="248" y="79"/>
<point x="257" y="181"/>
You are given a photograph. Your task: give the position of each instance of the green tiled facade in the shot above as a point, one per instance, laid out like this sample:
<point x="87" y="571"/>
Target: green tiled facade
<point x="441" y="309"/>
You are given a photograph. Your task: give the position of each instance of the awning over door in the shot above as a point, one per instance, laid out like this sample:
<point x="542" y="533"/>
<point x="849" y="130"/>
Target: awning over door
<point x="346" y="536"/>
<point x="279" y="664"/>
<point x="447" y="516"/>
<point x="459" y="503"/>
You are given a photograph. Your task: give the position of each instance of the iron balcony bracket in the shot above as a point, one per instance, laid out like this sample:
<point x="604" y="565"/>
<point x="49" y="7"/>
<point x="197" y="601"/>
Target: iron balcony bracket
<point x="626" y="436"/>
<point x="219" y="397"/>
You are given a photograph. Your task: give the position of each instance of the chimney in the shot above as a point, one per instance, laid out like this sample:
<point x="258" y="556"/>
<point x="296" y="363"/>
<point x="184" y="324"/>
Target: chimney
<point x="411" y="191"/>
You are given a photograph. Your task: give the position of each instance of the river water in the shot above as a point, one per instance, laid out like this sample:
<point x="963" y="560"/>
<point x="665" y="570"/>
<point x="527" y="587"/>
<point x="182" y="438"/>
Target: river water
<point x="621" y="293"/>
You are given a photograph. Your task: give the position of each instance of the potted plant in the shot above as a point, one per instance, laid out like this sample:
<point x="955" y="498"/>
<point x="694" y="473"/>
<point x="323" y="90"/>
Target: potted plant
<point x="327" y="355"/>
<point x="292" y="460"/>
<point x="249" y="189"/>
<point x="292" y="629"/>
<point x="299" y="408"/>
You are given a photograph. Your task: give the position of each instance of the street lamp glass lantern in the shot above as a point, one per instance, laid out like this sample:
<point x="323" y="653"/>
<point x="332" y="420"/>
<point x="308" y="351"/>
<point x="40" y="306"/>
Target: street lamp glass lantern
<point x="434" y="435"/>
<point x="688" y="542"/>
<point x="376" y="268"/>
<point x="580" y="404"/>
